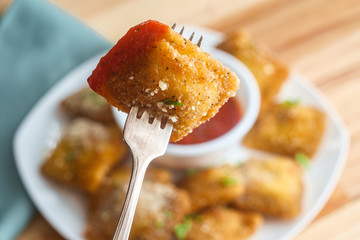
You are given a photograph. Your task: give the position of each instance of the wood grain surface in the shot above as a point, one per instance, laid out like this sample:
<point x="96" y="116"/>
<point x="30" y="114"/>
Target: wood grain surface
<point x="319" y="38"/>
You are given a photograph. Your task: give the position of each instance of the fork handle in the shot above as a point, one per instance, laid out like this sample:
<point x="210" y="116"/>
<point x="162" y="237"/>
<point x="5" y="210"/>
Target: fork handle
<point x="139" y="167"/>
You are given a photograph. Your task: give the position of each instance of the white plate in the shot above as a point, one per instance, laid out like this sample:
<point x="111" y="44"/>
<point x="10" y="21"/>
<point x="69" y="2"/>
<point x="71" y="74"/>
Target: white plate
<point x="66" y="209"/>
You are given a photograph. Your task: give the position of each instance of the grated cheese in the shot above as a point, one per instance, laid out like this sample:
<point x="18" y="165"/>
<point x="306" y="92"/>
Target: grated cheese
<point x="163" y="86"/>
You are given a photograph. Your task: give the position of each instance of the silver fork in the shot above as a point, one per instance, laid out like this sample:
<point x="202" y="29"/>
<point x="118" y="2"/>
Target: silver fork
<point x="147" y="139"/>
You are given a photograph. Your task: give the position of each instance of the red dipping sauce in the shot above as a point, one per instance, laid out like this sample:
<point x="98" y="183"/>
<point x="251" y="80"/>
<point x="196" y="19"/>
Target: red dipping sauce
<point x="227" y="117"/>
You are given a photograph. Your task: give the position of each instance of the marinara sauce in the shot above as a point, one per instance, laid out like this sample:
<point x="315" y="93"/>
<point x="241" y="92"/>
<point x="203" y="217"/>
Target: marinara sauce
<point x="227" y="117"/>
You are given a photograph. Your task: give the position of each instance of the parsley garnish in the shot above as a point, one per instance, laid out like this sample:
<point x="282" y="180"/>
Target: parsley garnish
<point x="191" y="171"/>
<point x="117" y="182"/>
<point x="70" y="156"/>
<point x="169" y="214"/>
<point x="196" y="217"/>
<point x="170" y="102"/>
<point x="290" y="103"/>
<point x="96" y="99"/>
<point x="159" y="224"/>
<point x="228" y="181"/>
<point x="302" y="159"/>
<point x="182" y="229"/>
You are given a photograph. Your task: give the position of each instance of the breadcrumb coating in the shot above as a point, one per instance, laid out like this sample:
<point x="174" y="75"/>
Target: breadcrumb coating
<point x="157" y="69"/>
<point x="85" y="153"/>
<point x="269" y="72"/>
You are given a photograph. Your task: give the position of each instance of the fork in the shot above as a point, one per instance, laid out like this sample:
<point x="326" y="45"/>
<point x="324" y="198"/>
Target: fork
<point x="147" y="139"/>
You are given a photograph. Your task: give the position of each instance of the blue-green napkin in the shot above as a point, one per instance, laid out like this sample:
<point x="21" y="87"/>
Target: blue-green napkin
<point x="38" y="45"/>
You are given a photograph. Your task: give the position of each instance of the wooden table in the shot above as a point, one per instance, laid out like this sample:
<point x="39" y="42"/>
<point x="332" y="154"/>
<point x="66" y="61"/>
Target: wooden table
<point x="319" y="38"/>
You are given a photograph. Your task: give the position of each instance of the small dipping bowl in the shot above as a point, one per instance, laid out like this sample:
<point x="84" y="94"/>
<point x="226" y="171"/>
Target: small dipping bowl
<point x="210" y="153"/>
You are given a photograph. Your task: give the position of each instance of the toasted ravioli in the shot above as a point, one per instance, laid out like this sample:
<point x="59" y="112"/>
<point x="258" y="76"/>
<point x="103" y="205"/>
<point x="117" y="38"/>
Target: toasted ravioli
<point x="122" y="174"/>
<point x="85" y="153"/>
<point x="267" y="69"/>
<point x="219" y="223"/>
<point x="161" y="206"/>
<point x="288" y="129"/>
<point x="86" y="103"/>
<point x="213" y="186"/>
<point x="155" y="68"/>
<point x="272" y="187"/>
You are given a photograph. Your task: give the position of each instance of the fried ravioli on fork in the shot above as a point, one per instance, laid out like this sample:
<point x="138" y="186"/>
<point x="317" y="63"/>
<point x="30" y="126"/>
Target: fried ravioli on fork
<point x="155" y="68"/>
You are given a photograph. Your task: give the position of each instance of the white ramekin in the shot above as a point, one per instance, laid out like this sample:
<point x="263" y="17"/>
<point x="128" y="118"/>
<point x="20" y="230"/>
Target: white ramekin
<point x="209" y="153"/>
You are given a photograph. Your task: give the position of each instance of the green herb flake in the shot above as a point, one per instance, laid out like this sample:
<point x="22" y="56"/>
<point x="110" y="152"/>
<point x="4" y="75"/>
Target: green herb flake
<point x="93" y="98"/>
<point x="196" y="217"/>
<point x="290" y="103"/>
<point x="303" y="160"/>
<point x="117" y="182"/>
<point x="191" y="171"/>
<point x="182" y="229"/>
<point x="159" y="224"/>
<point x="239" y="162"/>
<point x="170" y="102"/>
<point x="98" y="100"/>
<point x="70" y="156"/>
<point x="168" y="214"/>
<point x="228" y="181"/>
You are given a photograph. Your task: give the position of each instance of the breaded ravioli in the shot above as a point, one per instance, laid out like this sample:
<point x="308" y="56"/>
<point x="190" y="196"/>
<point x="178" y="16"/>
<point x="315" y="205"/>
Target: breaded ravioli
<point x="213" y="186"/>
<point x="267" y="69"/>
<point x="161" y="175"/>
<point x="220" y="223"/>
<point x="85" y="153"/>
<point x="272" y="187"/>
<point x="157" y="69"/>
<point x="288" y="129"/>
<point x="86" y="103"/>
<point x="161" y="206"/>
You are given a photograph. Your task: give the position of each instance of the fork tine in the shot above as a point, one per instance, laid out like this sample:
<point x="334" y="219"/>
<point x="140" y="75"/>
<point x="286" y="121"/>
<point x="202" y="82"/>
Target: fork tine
<point x="146" y="119"/>
<point x="133" y="113"/>
<point x="168" y="126"/>
<point x="145" y="116"/>
<point x="192" y="35"/>
<point x="199" y="42"/>
<point x="157" y="123"/>
<point x="181" y="31"/>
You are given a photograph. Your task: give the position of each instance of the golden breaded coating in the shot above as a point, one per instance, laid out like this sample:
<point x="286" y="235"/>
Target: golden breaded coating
<point x="85" y="153"/>
<point x="267" y="69"/>
<point x="161" y="206"/>
<point x="220" y="223"/>
<point x="213" y="186"/>
<point x="160" y="175"/>
<point x="272" y="187"/>
<point x="287" y="129"/>
<point x="157" y="69"/>
<point x="86" y="103"/>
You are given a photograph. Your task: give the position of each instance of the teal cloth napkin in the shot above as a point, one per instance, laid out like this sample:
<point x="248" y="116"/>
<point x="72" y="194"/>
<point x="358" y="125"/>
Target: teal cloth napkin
<point x="38" y="45"/>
